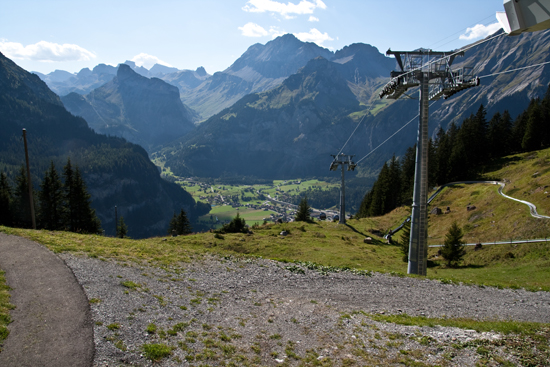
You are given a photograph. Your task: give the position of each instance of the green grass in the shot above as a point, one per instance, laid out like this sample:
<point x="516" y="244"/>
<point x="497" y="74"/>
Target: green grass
<point x="5" y="307"/>
<point x="327" y="245"/>
<point x="497" y="326"/>
<point x="156" y="352"/>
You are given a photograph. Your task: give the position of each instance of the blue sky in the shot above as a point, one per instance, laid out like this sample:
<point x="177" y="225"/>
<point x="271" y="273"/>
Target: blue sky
<point x="45" y="35"/>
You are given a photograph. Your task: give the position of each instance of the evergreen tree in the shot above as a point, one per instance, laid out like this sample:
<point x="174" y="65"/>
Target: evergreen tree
<point x="453" y="247"/>
<point x="408" y="164"/>
<point x="50" y="215"/>
<point x="404" y="241"/>
<point x="237" y="225"/>
<point x="22" y="208"/>
<point x="180" y="224"/>
<point x="443" y="149"/>
<point x="506" y="128"/>
<point x="6" y="201"/>
<point x="80" y="217"/>
<point x="121" y="228"/>
<point x="302" y="215"/>
<point x="518" y="131"/>
<point x="534" y="130"/>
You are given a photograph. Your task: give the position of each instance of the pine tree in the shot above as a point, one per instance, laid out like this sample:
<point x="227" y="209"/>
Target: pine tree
<point x="79" y="216"/>
<point x="6" y="201"/>
<point x="453" y="247"/>
<point x="22" y="209"/>
<point x="121" y="228"/>
<point x="534" y="130"/>
<point x="302" y="215"/>
<point x="50" y="215"/>
<point x="237" y="225"/>
<point x="180" y="224"/>
<point x="408" y="163"/>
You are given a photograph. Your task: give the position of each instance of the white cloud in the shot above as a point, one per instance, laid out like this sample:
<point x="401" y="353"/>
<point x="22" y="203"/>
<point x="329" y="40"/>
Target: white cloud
<point x="147" y="61"/>
<point x="479" y="31"/>
<point x="276" y="32"/>
<point x="45" y="51"/>
<point x="253" y="30"/>
<point x="313" y="36"/>
<point x="313" y="19"/>
<point x="286" y="10"/>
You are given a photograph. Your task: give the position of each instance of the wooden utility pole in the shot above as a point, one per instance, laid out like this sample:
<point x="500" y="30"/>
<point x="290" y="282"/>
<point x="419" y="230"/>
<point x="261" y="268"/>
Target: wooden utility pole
<point x="29" y="182"/>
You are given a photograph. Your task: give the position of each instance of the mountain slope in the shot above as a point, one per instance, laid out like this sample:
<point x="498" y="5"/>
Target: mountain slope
<point x="260" y="68"/>
<point x="115" y="171"/>
<point x="144" y="111"/>
<point x="284" y="132"/>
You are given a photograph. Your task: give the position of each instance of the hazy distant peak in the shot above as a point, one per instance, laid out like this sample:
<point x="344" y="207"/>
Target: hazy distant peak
<point x="201" y="71"/>
<point x="124" y="72"/>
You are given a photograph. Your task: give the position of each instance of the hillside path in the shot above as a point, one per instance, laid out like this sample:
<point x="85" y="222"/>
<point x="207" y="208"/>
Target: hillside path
<point x="52" y="324"/>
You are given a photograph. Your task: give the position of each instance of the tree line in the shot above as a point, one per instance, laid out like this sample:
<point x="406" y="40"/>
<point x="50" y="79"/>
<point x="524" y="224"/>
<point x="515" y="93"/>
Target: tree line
<point x="460" y="153"/>
<point x="62" y="204"/>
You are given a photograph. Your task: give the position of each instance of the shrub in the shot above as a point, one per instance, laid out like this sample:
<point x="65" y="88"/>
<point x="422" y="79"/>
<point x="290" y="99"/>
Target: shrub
<point x="156" y="352"/>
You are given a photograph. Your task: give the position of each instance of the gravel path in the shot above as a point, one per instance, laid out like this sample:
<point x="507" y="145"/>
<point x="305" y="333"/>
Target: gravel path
<point x="217" y="311"/>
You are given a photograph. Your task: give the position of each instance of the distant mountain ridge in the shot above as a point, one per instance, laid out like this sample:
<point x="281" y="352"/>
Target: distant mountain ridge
<point x="266" y="134"/>
<point x="145" y="111"/>
<point x="260" y="68"/>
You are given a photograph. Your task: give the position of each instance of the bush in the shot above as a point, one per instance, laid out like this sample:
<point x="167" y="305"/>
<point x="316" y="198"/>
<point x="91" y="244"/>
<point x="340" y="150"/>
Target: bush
<point x="237" y="225"/>
<point x="156" y="352"/>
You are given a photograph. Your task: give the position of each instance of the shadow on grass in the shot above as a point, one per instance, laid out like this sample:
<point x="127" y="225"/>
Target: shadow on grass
<point x="355" y="230"/>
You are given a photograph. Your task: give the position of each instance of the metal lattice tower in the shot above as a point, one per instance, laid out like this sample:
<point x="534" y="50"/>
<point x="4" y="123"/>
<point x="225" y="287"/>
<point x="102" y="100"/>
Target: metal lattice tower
<point x="431" y="71"/>
<point x="343" y="160"/>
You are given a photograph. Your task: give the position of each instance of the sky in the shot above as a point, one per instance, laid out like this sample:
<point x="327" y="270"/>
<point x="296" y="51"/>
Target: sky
<point x="45" y="35"/>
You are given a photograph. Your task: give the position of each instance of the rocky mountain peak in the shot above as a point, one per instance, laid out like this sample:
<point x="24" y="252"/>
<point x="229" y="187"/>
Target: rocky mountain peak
<point x="201" y="71"/>
<point x="125" y="72"/>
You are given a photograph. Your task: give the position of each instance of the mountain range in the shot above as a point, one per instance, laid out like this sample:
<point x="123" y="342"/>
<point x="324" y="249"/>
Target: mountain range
<point x="282" y="108"/>
<point x="144" y="111"/>
<point x="117" y="173"/>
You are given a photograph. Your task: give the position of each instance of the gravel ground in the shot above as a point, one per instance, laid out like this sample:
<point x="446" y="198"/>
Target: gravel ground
<point x="238" y="312"/>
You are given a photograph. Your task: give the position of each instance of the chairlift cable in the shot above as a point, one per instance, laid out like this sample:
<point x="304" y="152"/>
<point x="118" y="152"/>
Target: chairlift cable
<point x="509" y="71"/>
<point x="460" y="31"/>
<point x="352" y="134"/>
<point x="395" y="133"/>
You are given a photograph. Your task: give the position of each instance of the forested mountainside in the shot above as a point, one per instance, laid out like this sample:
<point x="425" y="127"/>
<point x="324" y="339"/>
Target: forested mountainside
<point x="116" y="172"/>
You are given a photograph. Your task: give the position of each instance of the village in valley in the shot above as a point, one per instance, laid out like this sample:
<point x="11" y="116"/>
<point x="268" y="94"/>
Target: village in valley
<point x="271" y="202"/>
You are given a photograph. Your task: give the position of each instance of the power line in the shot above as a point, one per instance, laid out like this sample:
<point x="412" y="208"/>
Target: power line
<point x="460" y="31"/>
<point x="509" y="71"/>
<point x="352" y="134"/>
<point x="395" y="133"/>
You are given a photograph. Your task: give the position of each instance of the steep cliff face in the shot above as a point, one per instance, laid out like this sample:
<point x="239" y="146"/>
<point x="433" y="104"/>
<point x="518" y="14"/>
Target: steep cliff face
<point x="144" y="111"/>
<point x="116" y="172"/>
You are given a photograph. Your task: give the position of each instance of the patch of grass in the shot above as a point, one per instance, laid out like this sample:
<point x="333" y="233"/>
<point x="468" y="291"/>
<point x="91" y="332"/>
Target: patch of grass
<point x="501" y="327"/>
<point x="5" y="307"/>
<point x="156" y="352"/>
<point x="129" y="284"/>
<point x="114" y="326"/>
